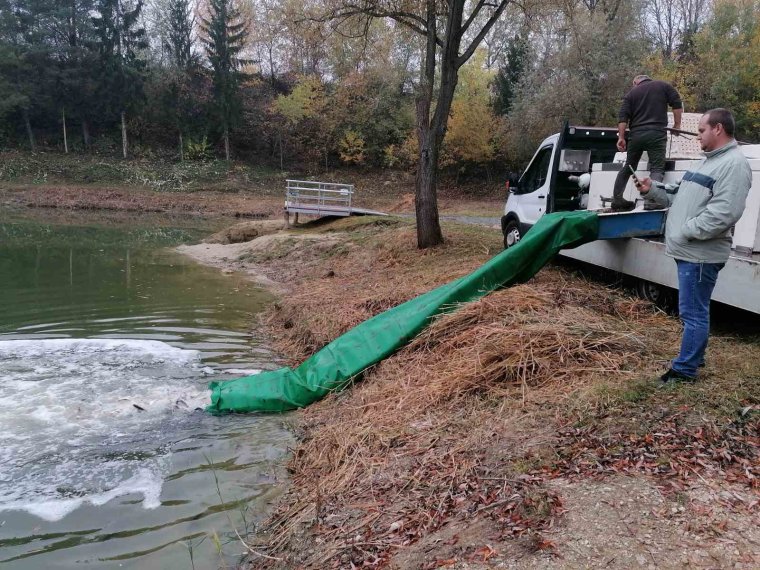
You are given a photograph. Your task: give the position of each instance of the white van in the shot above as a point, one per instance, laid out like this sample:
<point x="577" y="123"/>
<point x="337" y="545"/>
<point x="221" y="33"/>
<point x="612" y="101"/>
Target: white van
<point x="576" y="169"/>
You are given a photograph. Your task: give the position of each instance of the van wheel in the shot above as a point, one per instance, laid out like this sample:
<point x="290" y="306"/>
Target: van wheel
<point x="511" y="234"/>
<point x="660" y="295"/>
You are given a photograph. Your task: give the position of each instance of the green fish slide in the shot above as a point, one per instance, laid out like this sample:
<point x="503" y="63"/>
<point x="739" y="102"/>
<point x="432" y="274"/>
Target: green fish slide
<point x="344" y="359"/>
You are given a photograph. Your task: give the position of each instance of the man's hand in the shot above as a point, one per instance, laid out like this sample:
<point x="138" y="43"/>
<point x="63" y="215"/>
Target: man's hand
<point x="644" y="185"/>
<point x="676" y="127"/>
<point x="621" y="146"/>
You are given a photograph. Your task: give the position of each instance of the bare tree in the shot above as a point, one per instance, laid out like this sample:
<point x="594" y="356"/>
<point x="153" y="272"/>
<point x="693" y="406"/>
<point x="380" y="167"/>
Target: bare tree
<point x="671" y="21"/>
<point x="666" y="21"/>
<point x="694" y="13"/>
<point x="268" y="36"/>
<point x="452" y="30"/>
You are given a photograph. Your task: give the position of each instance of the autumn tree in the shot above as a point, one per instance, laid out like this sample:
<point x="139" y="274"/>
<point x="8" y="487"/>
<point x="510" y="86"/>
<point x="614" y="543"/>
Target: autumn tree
<point x="451" y="31"/>
<point x="725" y="71"/>
<point x="470" y="137"/>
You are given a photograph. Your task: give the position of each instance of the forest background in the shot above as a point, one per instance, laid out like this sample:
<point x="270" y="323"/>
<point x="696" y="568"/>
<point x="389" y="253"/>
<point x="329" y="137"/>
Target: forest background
<point x="300" y="85"/>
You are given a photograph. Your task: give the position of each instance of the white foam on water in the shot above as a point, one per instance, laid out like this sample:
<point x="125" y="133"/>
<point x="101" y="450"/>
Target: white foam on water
<point x="144" y="482"/>
<point x="71" y="431"/>
<point x="241" y="371"/>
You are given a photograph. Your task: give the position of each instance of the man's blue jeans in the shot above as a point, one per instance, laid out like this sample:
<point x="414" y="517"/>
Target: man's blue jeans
<point x="696" y="282"/>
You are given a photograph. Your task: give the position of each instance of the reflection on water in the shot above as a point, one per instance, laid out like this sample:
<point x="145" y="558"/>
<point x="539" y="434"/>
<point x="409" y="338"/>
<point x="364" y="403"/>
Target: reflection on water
<point x="107" y="343"/>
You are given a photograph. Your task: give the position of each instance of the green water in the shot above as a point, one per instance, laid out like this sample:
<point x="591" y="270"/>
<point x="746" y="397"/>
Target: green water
<point x="107" y="342"/>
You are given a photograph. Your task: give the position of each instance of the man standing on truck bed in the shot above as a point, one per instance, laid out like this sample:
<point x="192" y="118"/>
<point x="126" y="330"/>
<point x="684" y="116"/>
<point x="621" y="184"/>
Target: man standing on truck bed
<point x="645" y="112"/>
<point x="704" y="206"/>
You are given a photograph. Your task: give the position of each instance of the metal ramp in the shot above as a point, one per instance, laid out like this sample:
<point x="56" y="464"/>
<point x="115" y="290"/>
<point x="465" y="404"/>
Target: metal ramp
<point x="313" y="198"/>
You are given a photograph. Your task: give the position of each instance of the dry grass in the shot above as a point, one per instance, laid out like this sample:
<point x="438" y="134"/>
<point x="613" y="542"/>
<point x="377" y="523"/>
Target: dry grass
<point x="462" y="424"/>
<point x="379" y="268"/>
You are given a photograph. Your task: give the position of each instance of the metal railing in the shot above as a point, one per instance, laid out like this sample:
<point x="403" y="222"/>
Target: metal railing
<point x="318" y="198"/>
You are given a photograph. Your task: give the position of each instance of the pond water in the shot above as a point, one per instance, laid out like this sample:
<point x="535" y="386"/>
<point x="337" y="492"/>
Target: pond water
<point x="108" y="340"/>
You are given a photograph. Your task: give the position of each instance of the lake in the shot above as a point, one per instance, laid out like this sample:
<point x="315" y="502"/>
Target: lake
<point x="108" y="340"/>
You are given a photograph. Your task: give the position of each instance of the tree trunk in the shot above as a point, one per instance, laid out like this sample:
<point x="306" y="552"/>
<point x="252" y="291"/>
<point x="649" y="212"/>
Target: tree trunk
<point x="226" y="142"/>
<point x="425" y="200"/>
<point x="65" y="138"/>
<point x="86" y="133"/>
<point x="181" y="147"/>
<point x="29" y="131"/>
<point x="123" y="136"/>
<point x="431" y="132"/>
<point x="281" y="153"/>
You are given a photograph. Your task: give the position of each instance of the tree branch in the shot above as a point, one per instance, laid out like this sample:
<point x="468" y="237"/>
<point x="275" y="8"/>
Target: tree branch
<point x="473" y="15"/>
<point x="482" y="33"/>
<point x="409" y="19"/>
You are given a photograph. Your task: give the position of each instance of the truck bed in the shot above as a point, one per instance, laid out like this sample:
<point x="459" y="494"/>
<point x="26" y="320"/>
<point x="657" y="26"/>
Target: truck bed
<point x="645" y="258"/>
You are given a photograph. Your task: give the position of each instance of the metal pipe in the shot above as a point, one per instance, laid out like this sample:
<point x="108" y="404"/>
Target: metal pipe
<point x="681" y="132"/>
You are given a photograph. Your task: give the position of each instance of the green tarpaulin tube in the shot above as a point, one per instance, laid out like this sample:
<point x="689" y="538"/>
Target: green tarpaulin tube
<point x="333" y="367"/>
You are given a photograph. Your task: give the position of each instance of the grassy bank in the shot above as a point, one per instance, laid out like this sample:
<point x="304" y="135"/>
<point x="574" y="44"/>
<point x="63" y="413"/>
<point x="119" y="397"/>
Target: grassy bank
<point x="523" y="430"/>
<point x="388" y="189"/>
<point x="23" y="168"/>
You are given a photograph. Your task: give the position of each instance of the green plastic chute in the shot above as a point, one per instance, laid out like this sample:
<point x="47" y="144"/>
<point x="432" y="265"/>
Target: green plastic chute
<point x="333" y="367"/>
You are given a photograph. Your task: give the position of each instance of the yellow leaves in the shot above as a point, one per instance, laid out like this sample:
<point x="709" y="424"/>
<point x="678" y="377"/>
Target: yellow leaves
<point x="305" y="101"/>
<point x="752" y="112"/>
<point x="405" y="154"/>
<point x="351" y="148"/>
<point x="472" y="124"/>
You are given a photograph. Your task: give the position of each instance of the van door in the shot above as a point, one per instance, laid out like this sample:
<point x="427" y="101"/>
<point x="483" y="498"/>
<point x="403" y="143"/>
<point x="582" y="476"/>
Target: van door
<point x="533" y="188"/>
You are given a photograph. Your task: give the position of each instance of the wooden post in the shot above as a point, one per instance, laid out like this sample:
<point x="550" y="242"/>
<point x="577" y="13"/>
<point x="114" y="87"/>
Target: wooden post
<point x="29" y="131"/>
<point x="86" y="133"/>
<point x="123" y="135"/>
<point x="226" y="142"/>
<point x="287" y="217"/>
<point x="65" y="139"/>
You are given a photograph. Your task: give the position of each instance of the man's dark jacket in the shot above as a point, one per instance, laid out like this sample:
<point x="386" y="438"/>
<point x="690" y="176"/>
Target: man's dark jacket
<point x="645" y="107"/>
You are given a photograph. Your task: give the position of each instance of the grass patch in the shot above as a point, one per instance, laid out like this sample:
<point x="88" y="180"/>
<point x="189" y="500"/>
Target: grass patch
<point x="155" y="174"/>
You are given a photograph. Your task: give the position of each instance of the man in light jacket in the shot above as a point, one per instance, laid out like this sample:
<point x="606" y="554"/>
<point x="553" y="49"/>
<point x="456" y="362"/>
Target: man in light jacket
<point x="704" y="206"/>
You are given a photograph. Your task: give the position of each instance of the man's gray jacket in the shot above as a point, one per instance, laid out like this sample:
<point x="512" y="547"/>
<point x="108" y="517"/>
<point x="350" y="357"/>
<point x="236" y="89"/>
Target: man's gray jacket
<point x="705" y="205"/>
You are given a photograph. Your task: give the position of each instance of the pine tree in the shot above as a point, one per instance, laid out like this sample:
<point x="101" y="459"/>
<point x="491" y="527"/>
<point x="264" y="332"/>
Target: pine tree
<point x="120" y="39"/>
<point x="26" y="69"/>
<point x="179" y="44"/>
<point x="179" y="40"/>
<point x="224" y="38"/>
<point x="76" y="81"/>
<point x="509" y="76"/>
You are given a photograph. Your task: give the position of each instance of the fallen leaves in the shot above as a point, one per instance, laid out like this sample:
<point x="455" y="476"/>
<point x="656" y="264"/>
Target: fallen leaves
<point x="674" y="452"/>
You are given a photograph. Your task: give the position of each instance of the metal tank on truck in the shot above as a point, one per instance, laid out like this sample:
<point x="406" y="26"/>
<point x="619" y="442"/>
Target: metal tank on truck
<point x="576" y="168"/>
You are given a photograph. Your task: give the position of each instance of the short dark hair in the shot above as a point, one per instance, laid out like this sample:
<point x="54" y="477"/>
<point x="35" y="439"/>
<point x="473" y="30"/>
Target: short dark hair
<point x="724" y="117"/>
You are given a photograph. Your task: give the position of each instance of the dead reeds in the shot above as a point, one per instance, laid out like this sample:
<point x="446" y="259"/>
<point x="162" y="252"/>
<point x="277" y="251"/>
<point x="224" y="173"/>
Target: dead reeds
<point x="452" y="440"/>
<point x="415" y="445"/>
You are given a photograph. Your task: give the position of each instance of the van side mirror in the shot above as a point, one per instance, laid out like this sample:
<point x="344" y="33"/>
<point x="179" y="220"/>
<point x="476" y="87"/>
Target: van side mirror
<point x="513" y="179"/>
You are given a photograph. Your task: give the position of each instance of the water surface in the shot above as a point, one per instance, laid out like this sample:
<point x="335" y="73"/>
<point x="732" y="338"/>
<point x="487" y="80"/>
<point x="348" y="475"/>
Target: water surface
<point x="107" y="343"/>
